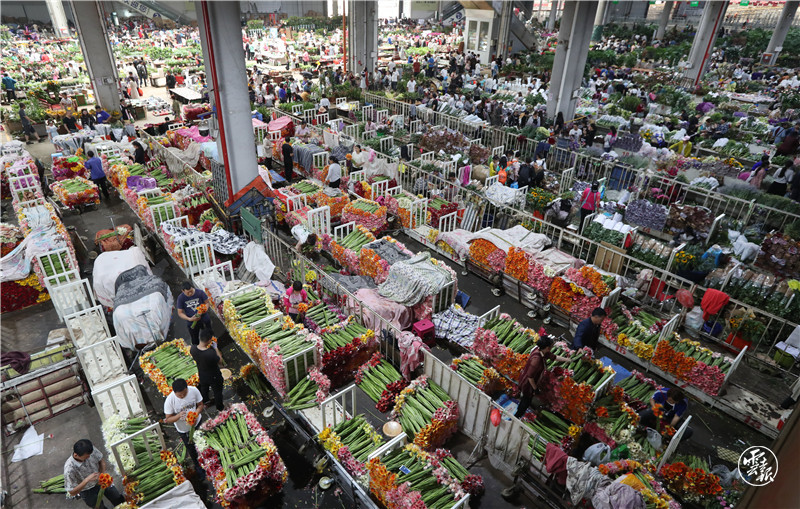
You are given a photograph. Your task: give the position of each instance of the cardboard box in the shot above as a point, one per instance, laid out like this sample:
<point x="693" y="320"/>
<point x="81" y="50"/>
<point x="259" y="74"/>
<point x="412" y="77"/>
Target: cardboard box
<point x="609" y="257"/>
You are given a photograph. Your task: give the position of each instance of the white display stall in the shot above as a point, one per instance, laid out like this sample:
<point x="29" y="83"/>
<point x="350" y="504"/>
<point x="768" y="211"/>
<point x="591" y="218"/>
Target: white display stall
<point x="478" y="33"/>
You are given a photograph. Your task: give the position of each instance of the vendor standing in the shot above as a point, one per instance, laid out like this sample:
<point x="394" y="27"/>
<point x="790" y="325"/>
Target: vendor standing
<point x="588" y="332"/>
<point x="208" y="359"/>
<point x="81" y="472"/>
<point x="295" y="296"/>
<point x="530" y="379"/>
<point x="288" y="159"/>
<point x="334" y="176"/>
<point x="188" y="302"/>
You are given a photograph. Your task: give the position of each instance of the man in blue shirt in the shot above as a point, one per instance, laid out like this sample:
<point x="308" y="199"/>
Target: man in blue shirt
<point x="96" y="173"/>
<point x="282" y="93"/>
<point x="588" y="332"/>
<point x="9" y="83"/>
<point x="188" y="301"/>
<point x="670" y="405"/>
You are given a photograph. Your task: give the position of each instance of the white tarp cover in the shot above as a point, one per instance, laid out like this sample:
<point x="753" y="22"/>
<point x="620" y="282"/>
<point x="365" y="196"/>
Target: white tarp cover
<point x="108" y="266"/>
<point x="518" y="237"/>
<point x="135" y="323"/>
<point x="182" y="496"/>
<point x="257" y="261"/>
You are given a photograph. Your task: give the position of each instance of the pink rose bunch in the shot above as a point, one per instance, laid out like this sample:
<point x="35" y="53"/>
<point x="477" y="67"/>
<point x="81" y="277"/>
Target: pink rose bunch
<point x="486" y="346"/>
<point x="707" y="378"/>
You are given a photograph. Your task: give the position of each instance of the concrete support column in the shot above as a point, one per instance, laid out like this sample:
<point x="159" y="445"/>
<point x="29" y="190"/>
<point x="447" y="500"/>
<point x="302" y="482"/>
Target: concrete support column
<point x="97" y="54"/>
<point x="503" y="30"/>
<point x="782" y="28"/>
<point x="551" y="22"/>
<point x="362" y="34"/>
<point x="664" y="19"/>
<point x="599" y="20"/>
<point x="570" y="59"/>
<point x="57" y="17"/>
<point x="335" y="9"/>
<point x="223" y="55"/>
<point x="703" y="44"/>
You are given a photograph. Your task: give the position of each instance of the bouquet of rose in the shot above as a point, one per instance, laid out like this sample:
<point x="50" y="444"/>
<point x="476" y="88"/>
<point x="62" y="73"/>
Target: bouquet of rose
<point x="689" y="478"/>
<point x="199" y="311"/>
<point x="352" y="441"/>
<point x="637" y="330"/>
<point x="476" y="372"/>
<point x="322" y="316"/>
<point x="638" y="389"/>
<point x="239" y="457"/>
<point x="426" y="413"/>
<point x="168" y="362"/>
<point x="311" y="391"/>
<point x="116" y="428"/>
<point x="346" y="347"/>
<point x="151" y="479"/>
<point x="425" y="478"/>
<point x="248" y="307"/>
<point x="375" y="377"/>
<point x="366" y="213"/>
<point x="251" y="377"/>
<point x="550" y="428"/>
<point x="191" y="419"/>
<point x="104" y="481"/>
<point x="76" y="191"/>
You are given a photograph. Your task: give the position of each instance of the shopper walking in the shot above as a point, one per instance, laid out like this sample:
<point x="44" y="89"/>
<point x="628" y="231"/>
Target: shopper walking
<point x="182" y="400"/>
<point x="188" y="303"/>
<point x="10" y="85"/>
<point x="81" y="473"/>
<point x="27" y="127"/>
<point x="96" y="174"/>
<point x="590" y="201"/>
<point x="588" y="332"/>
<point x="530" y="379"/>
<point x="208" y="359"/>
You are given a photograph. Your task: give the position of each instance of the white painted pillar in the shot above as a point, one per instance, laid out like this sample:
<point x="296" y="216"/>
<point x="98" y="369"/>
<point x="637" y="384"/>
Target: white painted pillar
<point x="97" y="54"/>
<point x="784" y="23"/>
<point x="570" y="59"/>
<point x="223" y="55"/>
<point x="663" y="21"/>
<point x="362" y="28"/>
<point x="703" y="44"/>
<point x="503" y="41"/>
<point x="58" y="18"/>
<point x="551" y="22"/>
<point x="599" y="20"/>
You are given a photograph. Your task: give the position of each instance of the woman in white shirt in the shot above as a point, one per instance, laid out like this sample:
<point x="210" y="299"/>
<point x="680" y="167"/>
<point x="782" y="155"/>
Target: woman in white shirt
<point x="359" y="157"/>
<point x="411" y="86"/>
<point x="334" y="173"/>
